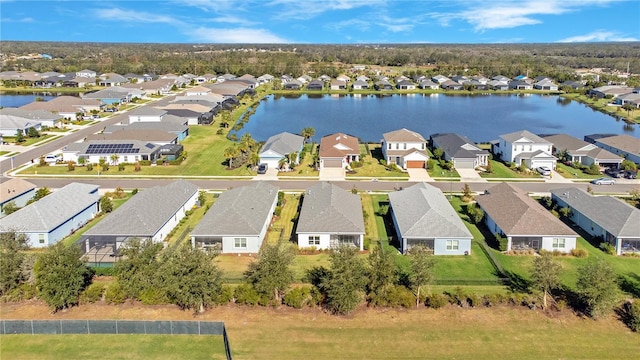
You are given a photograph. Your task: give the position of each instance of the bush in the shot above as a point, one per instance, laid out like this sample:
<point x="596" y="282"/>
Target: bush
<point x="245" y="294"/>
<point x="93" y="293"/>
<point x="154" y="296"/>
<point x="21" y="293"/>
<point x="298" y="297"/>
<point x="226" y="295"/>
<point x="580" y="253"/>
<point x="120" y="167"/>
<point x="436" y="301"/>
<point x="104" y="271"/>
<point x="115" y="294"/>
<point x="503" y="242"/>
<point x="632" y="312"/>
<point x="145" y="162"/>
<point x="608" y="248"/>
<point x="277" y="211"/>
<point x="89" y="167"/>
<point x="431" y="164"/>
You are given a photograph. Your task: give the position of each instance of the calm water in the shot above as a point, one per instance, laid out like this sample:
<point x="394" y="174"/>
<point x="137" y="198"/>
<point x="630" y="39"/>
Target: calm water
<point x="481" y="118"/>
<point x="17" y="100"/>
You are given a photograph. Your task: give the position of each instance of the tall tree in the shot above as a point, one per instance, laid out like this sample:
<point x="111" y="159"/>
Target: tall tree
<point x="545" y="275"/>
<point x="271" y="274"/>
<point x="61" y="276"/>
<point x="421" y="269"/>
<point x="381" y="271"/>
<point x="597" y="286"/>
<point x="192" y="278"/>
<point x="345" y="280"/>
<point x="230" y="153"/>
<point x="138" y="267"/>
<point x="12" y="257"/>
<point x="308" y="133"/>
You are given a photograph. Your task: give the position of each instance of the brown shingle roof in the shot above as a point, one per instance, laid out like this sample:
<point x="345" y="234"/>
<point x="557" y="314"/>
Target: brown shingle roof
<point x="338" y="145"/>
<point x="403" y="135"/>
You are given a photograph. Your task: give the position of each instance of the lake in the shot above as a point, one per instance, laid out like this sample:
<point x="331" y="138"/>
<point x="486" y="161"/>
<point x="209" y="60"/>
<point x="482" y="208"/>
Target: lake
<point x="481" y="118"/>
<point x="17" y="100"/>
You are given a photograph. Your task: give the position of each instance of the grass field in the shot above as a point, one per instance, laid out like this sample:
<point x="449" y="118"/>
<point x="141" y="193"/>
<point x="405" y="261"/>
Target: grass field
<point x="572" y="173"/>
<point x="501" y="171"/>
<point x="284" y="333"/>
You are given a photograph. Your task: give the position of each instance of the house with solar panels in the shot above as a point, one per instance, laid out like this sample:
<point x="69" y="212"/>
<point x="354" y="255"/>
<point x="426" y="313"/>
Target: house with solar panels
<point x="128" y="151"/>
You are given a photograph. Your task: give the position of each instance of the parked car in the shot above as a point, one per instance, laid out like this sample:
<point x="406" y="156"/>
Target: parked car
<point x="544" y="170"/>
<point x="630" y="174"/>
<point x="262" y="168"/>
<point x="110" y="109"/>
<point x="615" y="173"/>
<point x="603" y="181"/>
<point x="95" y="116"/>
<point x="51" y="158"/>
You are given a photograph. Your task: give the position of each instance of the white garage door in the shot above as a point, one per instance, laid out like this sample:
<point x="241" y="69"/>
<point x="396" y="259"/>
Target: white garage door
<point x="273" y="163"/>
<point x="538" y="163"/>
<point x="463" y="163"/>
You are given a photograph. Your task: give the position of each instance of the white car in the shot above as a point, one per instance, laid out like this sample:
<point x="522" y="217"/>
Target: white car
<point x="543" y="170"/>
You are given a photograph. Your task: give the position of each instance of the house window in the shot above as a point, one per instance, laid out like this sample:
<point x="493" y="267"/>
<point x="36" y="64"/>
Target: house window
<point x="404" y="146"/>
<point x="389" y="147"/>
<point x="397" y="146"/>
<point x="41" y="238"/>
<point x="125" y="158"/>
<point x="422" y="146"/>
<point x="453" y="245"/>
<point x="530" y="147"/>
<point x="240" y="243"/>
<point x="558" y="243"/>
<point x="314" y="240"/>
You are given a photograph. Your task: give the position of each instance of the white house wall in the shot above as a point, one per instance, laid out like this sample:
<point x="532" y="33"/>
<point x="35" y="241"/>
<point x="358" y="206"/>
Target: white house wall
<point x="569" y="243"/>
<point x="253" y="244"/>
<point x="65" y="229"/>
<point x="174" y="220"/>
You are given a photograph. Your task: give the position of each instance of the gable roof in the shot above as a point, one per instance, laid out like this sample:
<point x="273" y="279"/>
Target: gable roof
<point x="567" y="142"/>
<point x="30" y="114"/>
<point x="283" y="143"/>
<point x="52" y="210"/>
<point x="402" y="135"/>
<point x="422" y="211"/>
<point x="625" y="143"/>
<point x="515" y="136"/>
<point x="518" y="214"/>
<point x="240" y="211"/>
<point x="339" y="145"/>
<point x="152" y="135"/>
<point x="616" y="216"/>
<point x="13" y="188"/>
<point x="147" y="211"/>
<point x="457" y="146"/>
<point x="327" y="208"/>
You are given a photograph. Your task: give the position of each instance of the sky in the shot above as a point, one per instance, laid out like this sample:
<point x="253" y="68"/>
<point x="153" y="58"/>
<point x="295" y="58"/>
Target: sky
<point x="321" y="21"/>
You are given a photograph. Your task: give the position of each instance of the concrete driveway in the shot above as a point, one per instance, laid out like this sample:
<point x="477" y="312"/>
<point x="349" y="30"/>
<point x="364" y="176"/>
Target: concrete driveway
<point x="272" y="174"/>
<point x="418" y="175"/>
<point x="470" y="174"/>
<point x="327" y="174"/>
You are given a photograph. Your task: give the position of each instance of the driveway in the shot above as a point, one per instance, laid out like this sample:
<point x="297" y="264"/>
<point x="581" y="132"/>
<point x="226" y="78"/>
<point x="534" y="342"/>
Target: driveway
<point x="271" y="174"/>
<point x="418" y="175"/>
<point x="470" y="175"/>
<point x="327" y="174"/>
<point x="556" y="178"/>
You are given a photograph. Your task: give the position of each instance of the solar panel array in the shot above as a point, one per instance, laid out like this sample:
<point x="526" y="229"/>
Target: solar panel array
<point x="112" y="149"/>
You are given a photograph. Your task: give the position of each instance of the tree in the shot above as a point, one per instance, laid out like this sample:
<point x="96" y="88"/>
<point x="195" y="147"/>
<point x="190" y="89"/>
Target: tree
<point x="19" y="136"/>
<point x="282" y="163"/>
<point x="248" y="142"/>
<point x="33" y="132"/>
<point x="475" y="213"/>
<point x="545" y="275"/>
<point x="40" y="193"/>
<point x="345" y="280"/>
<point x="230" y="153"/>
<point x="597" y="286"/>
<point x="106" y="205"/>
<point x="421" y="269"/>
<point x="10" y="208"/>
<point x="489" y="168"/>
<point x="382" y="270"/>
<point x="114" y="159"/>
<point x="271" y="274"/>
<point x="12" y="257"/>
<point x="202" y="197"/>
<point x="437" y="153"/>
<point x="61" y="276"/>
<point x="191" y="277"/>
<point x="628" y="165"/>
<point x="307" y="133"/>
<point x="137" y="269"/>
<point x="467" y="194"/>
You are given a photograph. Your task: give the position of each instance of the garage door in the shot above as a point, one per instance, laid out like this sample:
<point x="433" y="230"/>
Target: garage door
<point x="273" y="163"/>
<point x="538" y="163"/>
<point x="463" y="164"/>
<point x="415" y="164"/>
<point x="332" y="163"/>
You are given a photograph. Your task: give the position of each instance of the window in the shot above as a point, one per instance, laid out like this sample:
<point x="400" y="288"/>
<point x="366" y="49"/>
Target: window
<point x="240" y="243"/>
<point x="453" y="245"/>
<point x="422" y="146"/>
<point x="125" y="158"/>
<point x="314" y="240"/>
<point x="389" y="146"/>
<point x="404" y="146"/>
<point x="558" y="243"/>
<point x="397" y="146"/>
<point x="41" y="238"/>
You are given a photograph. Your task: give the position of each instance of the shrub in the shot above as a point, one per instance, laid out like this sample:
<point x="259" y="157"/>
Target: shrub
<point x="21" y="293"/>
<point x="145" y="162"/>
<point x="153" y="296"/>
<point x="475" y="300"/>
<point x="503" y="242"/>
<point x="632" y="312"/>
<point x="431" y="164"/>
<point x="120" y="167"/>
<point x="393" y="296"/>
<point x="298" y="297"/>
<point x="608" y="248"/>
<point x="71" y="166"/>
<point x="245" y="294"/>
<point x="580" y="253"/>
<point x="93" y="293"/>
<point x="89" y="167"/>
<point x="134" y="191"/>
<point x="104" y="271"/>
<point x="436" y="301"/>
<point x="277" y="211"/>
<point x="226" y="295"/>
<point x="115" y="294"/>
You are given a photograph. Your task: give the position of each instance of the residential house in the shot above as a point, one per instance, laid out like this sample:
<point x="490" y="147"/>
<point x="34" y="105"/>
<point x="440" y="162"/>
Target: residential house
<point x="501" y="78"/>
<point x="360" y="85"/>
<point x="146" y="113"/>
<point x="304" y="78"/>
<point x="461" y="79"/>
<point x="525" y="149"/>
<point x="439" y="79"/>
<point x="86" y="73"/>
<point x="293" y="85"/>
<point x="55" y="216"/>
<point x="238" y="221"/>
<point x="112" y="79"/>
<point x="324" y="78"/>
<point x="338" y="150"/>
<point x="626" y="146"/>
<point x="632" y="99"/>
<point x="127" y="151"/>
<point x="451" y="85"/>
<point x="512" y="213"/>
<point x="520" y="85"/>
<point x="428" y="84"/>
<point x="383" y="85"/>
<point x="157" y="137"/>
<point x="609" y="90"/>
<point x="225" y="77"/>
<point x="574" y="84"/>
<point x="477" y="85"/>
<point x="344" y="78"/>
<point x="462" y="152"/>
<point x="498" y="85"/>
<point x="605" y="217"/>
<point x="330" y="217"/>
<point x="578" y="151"/>
<point x="338" y="85"/>
<point x="545" y="84"/>
<point x="177" y="128"/>
<point x="279" y="146"/>
<point x="423" y="216"/>
<point x="46" y="118"/>
<point x="405" y="85"/>
<point x="266" y="78"/>
<point x="405" y="148"/>
<point x="16" y="191"/>
<point x="149" y="215"/>
<point x="112" y="95"/>
<point x="315" y="85"/>
<point x="66" y="106"/>
<point x="10" y="125"/>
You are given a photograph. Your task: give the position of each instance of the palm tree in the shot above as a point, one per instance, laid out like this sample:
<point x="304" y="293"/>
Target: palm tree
<point x="114" y="159"/>
<point x="308" y="133"/>
<point x="248" y="141"/>
<point x="292" y="159"/>
<point x="254" y="158"/>
<point x="283" y="162"/>
<point x="230" y="153"/>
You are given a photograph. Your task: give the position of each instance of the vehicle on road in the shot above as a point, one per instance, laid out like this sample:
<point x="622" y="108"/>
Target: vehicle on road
<point x="543" y="170"/>
<point x="262" y="168"/>
<point x="603" y="181"/>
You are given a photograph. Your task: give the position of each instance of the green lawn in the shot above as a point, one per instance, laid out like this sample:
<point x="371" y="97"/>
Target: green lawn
<point x="500" y="171"/>
<point x="3" y="153"/>
<point x="573" y="173"/>
<point x="190" y="221"/>
<point x="282" y="226"/>
<point x="439" y="172"/>
<point x="27" y="140"/>
<point x="111" y="347"/>
<point x="306" y="167"/>
<point x="371" y="166"/>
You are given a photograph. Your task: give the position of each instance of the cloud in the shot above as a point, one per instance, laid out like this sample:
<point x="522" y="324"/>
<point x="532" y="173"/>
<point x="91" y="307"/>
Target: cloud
<point x="509" y="14"/>
<point x="304" y="10"/>
<point x="232" y="20"/>
<point x="237" y="35"/>
<point x="23" y="20"/>
<point x="135" y="16"/>
<point x="217" y="6"/>
<point x="598" y="36"/>
<point x="382" y="22"/>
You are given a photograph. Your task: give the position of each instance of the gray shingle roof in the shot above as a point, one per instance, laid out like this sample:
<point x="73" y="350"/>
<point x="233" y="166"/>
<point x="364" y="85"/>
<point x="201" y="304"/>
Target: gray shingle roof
<point x="452" y="145"/>
<point x="283" y="143"/>
<point x="422" y="211"/>
<point x="240" y="211"/>
<point x="327" y="208"/>
<point x="515" y="136"/>
<point x="403" y="135"/>
<point x="617" y="217"/>
<point x="518" y="214"/>
<point x="146" y="212"/>
<point x="52" y="210"/>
